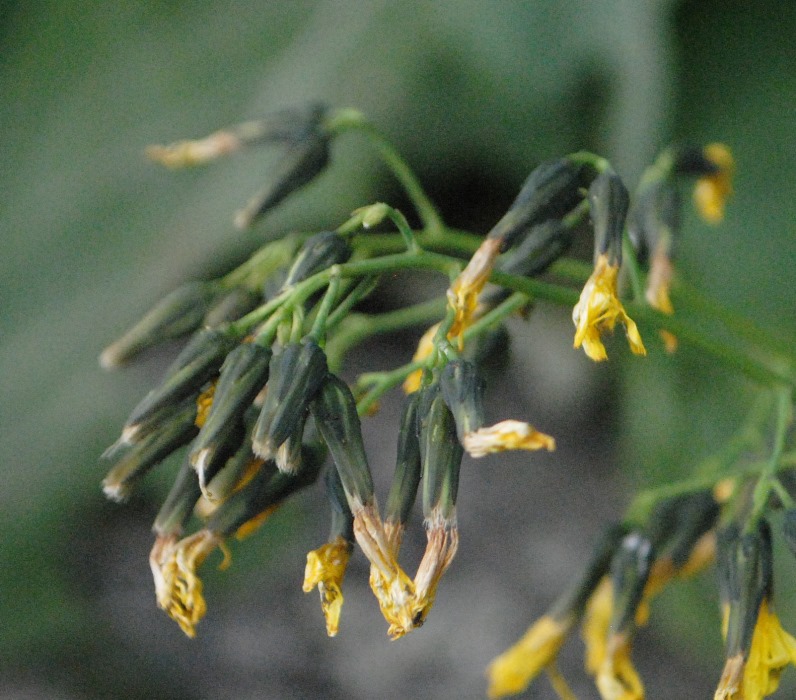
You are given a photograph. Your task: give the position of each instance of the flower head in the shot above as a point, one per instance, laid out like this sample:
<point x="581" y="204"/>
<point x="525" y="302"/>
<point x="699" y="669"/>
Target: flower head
<point x="177" y="587"/>
<point x="506" y="435"/>
<point x="325" y="569"/>
<point x="513" y="671"/>
<point x="712" y="191"/>
<point x="599" y="309"/>
<point x="757" y="676"/>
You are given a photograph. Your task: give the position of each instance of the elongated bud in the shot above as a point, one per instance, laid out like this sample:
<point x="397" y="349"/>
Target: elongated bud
<point x="236" y="469"/>
<point x="196" y="364"/>
<point x="243" y="375"/>
<point x="550" y="192"/>
<point x="441" y="455"/>
<point x="690" y="517"/>
<point x="654" y="221"/>
<point x="463" y="392"/>
<point x="233" y="305"/>
<point x="178" y="314"/>
<point x="608" y="203"/>
<point x="150" y="451"/>
<point x="406" y="479"/>
<point x="318" y="253"/>
<point x="179" y="504"/>
<point x="305" y="158"/>
<point x="335" y="412"/>
<point x="296" y="374"/>
<point x="289" y="453"/>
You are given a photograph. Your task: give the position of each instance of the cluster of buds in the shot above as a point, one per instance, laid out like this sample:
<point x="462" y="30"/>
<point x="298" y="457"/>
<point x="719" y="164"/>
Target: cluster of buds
<point x="256" y="404"/>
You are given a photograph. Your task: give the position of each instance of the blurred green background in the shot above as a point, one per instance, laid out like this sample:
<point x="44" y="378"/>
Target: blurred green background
<point x="474" y="94"/>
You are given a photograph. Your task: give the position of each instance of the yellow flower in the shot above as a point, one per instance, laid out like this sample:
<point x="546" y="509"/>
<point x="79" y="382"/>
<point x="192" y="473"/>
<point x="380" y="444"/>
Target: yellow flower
<point x="771" y="651"/>
<point x="617" y="679"/>
<point x="325" y="569"/>
<point x="596" y="623"/>
<point x="424" y="348"/>
<point x="506" y="435"/>
<point x="463" y="293"/>
<point x="512" y="671"/>
<point x="711" y="192"/>
<point x="177" y="587"/>
<point x="598" y="310"/>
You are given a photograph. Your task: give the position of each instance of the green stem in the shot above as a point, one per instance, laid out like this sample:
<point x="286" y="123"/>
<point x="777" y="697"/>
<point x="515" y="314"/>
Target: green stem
<point x="352" y="120"/>
<point x="318" y="331"/>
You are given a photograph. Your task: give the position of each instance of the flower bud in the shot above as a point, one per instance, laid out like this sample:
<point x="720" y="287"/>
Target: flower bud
<point x="231" y="306"/>
<point x="295" y="376"/>
<point x="550" y="192"/>
<point x="178" y="314"/>
<point x="243" y="375"/>
<point x="179" y="504"/>
<point x="196" y="364"/>
<point x="608" y="203"/>
<point x="463" y="391"/>
<point x="318" y="253"/>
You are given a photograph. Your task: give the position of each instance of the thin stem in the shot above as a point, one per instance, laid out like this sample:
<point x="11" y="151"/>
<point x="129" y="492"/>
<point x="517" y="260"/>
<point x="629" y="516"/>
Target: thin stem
<point x="353" y="120"/>
<point x="318" y="331"/>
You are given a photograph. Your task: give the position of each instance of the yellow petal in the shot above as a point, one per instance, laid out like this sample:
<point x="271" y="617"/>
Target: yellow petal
<point x="512" y="671"/>
<point x="711" y="192"/>
<point x="326" y="567"/>
<point x="617" y="678"/>
<point x="506" y="435"/>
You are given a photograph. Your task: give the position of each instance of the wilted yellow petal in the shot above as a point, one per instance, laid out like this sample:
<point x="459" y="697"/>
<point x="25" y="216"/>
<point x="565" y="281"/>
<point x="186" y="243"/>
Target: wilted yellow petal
<point x="326" y="567"/>
<point x="506" y="435"/>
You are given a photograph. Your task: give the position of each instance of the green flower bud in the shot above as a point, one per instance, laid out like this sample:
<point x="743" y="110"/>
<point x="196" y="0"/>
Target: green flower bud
<point x="232" y="306"/>
<point x="342" y="519"/>
<point x="179" y="504"/>
<point x="463" y="391"/>
<point x="296" y="374"/>
<point x="306" y="157"/>
<point x="318" y="253"/>
<point x="150" y="451"/>
<point x="654" y="221"/>
<point x="243" y="375"/>
<point x="551" y="191"/>
<point x="441" y="455"/>
<point x="406" y="478"/>
<point x="180" y="313"/>
<point x="335" y="412"/>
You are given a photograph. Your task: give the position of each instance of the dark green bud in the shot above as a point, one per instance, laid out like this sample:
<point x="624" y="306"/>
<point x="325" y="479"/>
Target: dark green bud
<point x="179" y="504"/>
<point x="573" y="601"/>
<point x="406" y="478"/>
<point x="243" y="375"/>
<point x="335" y="412"/>
<point x="691" y="160"/>
<point x="441" y="456"/>
<point x="630" y="569"/>
<point x="608" y="203"/>
<point x="463" y="391"/>
<point x="296" y="374"/>
<point x="195" y="365"/>
<point x="318" y="253"/>
<point x="490" y="350"/>
<point x="289" y="453"/>
<point x="697" y="514"/>
<point x="180" y="313"/>
<point x="150" y="451"/>
<point x="307" y="155"/>
<point x="228" y="477"/>
<point x="550" y="192"/>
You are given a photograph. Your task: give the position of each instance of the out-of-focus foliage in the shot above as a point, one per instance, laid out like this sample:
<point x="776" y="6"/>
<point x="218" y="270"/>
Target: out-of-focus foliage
<point x="473" y="93"/>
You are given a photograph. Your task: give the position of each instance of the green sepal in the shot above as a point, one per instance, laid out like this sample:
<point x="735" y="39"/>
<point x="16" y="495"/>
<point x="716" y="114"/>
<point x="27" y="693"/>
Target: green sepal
<point x="295" y="377"/>
<point x="335" y="412"/>
<point x="406" y="479"/>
